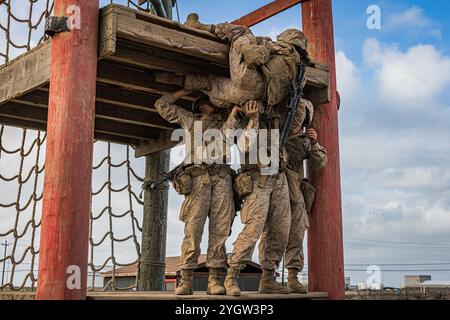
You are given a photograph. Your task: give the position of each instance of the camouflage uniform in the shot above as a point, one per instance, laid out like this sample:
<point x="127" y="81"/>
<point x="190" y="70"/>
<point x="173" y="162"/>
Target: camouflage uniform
<point x="299" y="149"/>
<point x="246" y="83"/>
<point x="259" y="69"/>
<point x="265" y="213"/>
<point x="211" y="195"/>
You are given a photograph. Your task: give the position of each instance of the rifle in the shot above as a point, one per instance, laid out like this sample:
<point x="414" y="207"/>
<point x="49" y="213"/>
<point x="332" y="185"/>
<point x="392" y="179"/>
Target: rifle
<point x="297" y="87"/>
<point x="152" y="185"/>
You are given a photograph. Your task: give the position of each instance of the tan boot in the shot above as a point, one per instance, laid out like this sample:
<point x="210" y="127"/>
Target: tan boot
<point x="185" y="287"/>
<point x="269" y="284"/>
<point x="231" y="283"/>
<point x="194" y="22"/>
<point x="214" y="286"/>
<point x="293" y="283"/>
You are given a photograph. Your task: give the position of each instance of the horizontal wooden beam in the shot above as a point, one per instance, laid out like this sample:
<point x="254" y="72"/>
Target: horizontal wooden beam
<point x="155" y="35"/>
<point x="25" y="73"/>
<point x="145" y="148"/>
<point x="266" y="12"/>
<point x="107" y="109"/>
<point x="105" y="124"/>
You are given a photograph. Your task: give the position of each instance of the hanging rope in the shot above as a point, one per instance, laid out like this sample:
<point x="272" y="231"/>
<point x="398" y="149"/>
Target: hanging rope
<point x="115" y="233"/>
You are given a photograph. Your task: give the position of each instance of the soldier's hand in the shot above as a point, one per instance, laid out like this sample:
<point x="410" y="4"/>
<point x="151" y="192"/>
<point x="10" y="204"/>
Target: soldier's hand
<point x="251" y="109"/>
<point x="312" y="136"/>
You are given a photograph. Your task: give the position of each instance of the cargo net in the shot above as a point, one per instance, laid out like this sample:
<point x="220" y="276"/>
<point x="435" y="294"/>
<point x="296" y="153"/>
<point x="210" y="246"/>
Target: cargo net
<point x="115" y="224"/>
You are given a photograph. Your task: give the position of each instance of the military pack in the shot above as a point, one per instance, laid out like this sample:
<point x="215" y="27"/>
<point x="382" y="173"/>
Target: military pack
<point x="243" y="184"/>
<point x="182" y="182"/>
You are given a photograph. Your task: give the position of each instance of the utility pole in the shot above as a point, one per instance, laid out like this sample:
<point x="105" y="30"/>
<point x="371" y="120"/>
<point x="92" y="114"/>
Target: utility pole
<point x="6" y="245"/>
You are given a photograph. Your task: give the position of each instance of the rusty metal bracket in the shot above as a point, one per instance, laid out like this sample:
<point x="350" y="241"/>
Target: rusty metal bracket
<point x="54" y="25"/>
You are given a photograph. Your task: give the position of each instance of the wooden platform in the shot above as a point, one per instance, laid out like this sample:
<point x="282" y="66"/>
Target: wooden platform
<point x="169" y="295"/>
<point x="133" y="48"/>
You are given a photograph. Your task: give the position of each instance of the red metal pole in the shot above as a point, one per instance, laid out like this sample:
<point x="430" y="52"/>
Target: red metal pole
<point x="325" y="242"/>
<point x="266" y="12"/>
<point x="63" y="256"/>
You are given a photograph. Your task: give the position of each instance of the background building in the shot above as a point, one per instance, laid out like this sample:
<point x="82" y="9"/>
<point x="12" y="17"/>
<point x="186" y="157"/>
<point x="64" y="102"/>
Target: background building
<point x="126" y="276"/>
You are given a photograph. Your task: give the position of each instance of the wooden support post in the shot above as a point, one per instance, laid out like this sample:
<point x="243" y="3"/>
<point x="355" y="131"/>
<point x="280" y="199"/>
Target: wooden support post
<point x="154" y="227"/>
<point x="63" y="254"/>
<point x="325" y="242"/>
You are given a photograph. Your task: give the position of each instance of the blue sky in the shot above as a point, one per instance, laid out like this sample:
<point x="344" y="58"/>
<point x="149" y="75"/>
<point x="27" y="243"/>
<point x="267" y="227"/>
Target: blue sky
<point x="394" y="135"/>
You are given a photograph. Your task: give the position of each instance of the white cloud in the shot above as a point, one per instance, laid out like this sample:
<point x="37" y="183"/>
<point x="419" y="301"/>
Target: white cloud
<point x="413" y="78"/>
<point x="348" y="80"/>
<point x="413" y="17"/>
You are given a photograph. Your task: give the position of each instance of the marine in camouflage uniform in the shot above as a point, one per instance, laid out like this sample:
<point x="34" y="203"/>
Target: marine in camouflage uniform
<point x="265" y="213"/>
<point x="260" y="69"/>
<point x="301" y="146"/>
<point x="211" y="195"/>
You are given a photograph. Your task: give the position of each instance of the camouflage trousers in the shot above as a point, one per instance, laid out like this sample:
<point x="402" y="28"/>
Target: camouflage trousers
<point x="299" y="223"/>
<point x="245" y="82"/>
<point x="266" y="215"/>
<point x="211" y="197"/>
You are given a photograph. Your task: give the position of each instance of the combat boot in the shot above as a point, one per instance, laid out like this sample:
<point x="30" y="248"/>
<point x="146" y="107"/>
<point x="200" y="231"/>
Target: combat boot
<point x="194" y="22"/>
<point x="293" y="283"/>
<point x="269" y="284"/>
<point x="231" y="283"/>
<point x="185" y="287"/>
<point x="214" y="286"/>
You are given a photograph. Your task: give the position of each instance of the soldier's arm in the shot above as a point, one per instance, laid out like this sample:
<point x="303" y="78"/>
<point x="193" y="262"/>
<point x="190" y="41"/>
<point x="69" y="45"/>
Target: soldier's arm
<point x="167" y="108"/>
<point x="317" y="157"/>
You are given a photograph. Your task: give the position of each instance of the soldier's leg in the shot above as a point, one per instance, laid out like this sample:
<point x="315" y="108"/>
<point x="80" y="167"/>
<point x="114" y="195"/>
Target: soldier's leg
<point x="253" y="216"/>
<point x="245" y="83"/>
<point x="276" y="231"/>
<point x="274" y="239"/>
<point x="294" y="250"/>
<point x="221" y="215"/>
<point x="194" y="212"/>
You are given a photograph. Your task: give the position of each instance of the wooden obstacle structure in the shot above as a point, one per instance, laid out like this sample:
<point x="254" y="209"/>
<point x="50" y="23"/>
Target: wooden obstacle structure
<point x="134" y="47"/>
<point x="140" y="57"/>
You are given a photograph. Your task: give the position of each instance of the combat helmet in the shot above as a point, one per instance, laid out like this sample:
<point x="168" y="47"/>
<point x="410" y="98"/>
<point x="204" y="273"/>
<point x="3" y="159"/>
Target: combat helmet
<point x="295" y="38"/>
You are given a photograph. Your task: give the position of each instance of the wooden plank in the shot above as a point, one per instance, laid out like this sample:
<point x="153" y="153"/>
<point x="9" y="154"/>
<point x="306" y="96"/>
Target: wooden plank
<point x="25" y="73"/>
<point x="106" y="109"/>
<point x="107" y="33"/>
<point x="169" y="295"/>
<point x="154" y="19"/>
<point x="145" y="148"/>
<point x="266" y="12"/>
<point x="145" y="57"/>
<point x="35" y="113"/>
<point x="170" y="39"/>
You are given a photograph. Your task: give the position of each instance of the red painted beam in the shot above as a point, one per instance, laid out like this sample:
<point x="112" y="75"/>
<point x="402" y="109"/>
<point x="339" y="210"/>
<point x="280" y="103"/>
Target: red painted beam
<point x="266" y="12"/>
<point x="325" y="242"/>
<point x="63" y="255"/>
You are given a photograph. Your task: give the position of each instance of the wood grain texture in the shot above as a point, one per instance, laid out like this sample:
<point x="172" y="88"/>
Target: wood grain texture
<point x="66" y="204"/>
<point x="154" y="225"/>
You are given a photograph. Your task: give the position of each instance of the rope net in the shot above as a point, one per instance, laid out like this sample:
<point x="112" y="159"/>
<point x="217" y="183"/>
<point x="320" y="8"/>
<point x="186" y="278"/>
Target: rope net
<point x="116" y="217"/>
